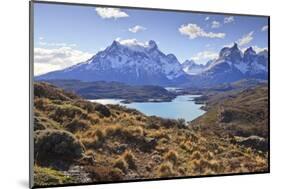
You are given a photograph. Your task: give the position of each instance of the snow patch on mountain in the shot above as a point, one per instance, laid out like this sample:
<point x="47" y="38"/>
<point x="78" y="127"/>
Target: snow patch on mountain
<point x="191" y="68"/>
<point x="242" y="67"/>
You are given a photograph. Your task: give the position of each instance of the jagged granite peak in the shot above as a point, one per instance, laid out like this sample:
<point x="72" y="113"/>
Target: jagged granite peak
<point x="249" y="55"/>
<point x="232" y="54"/>
<point x="235" y="46"/>
<point x="152" y="44"/>
<point x="114" y="44"/>
<point x="250" y="50"/>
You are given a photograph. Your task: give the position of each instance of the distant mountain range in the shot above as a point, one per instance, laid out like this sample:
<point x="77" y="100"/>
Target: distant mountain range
<point x="231" y="65"/>
<point x="147" y="65"/>
<point x="191" y="68"/>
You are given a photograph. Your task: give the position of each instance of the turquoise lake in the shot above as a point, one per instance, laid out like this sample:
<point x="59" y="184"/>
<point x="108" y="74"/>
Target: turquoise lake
<point x="182" y="106"/>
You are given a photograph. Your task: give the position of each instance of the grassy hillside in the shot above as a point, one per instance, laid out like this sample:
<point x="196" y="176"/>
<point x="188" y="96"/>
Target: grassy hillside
<point x="79" y="141"/>
<point x="236" y="86"/>
<point x="241" y="115"/>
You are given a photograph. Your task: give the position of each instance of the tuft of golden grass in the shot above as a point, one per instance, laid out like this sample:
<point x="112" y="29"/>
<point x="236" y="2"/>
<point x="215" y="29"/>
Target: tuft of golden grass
<point x="172" y="156"/>
<point x="130" y="159"/>
<point x="196" y="155"/>
<point x="90" y="153"/>
<point x="121" y="164"/>
<point x="77" y="124"/>
<point x="116" y="174"/>
<point x="126" y="161"/>
<point x="166" y="170"/>
<point x="113" y="130"/>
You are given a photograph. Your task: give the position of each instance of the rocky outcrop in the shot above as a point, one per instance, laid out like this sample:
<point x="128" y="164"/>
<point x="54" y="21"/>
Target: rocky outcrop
<point x="255" y="142"/>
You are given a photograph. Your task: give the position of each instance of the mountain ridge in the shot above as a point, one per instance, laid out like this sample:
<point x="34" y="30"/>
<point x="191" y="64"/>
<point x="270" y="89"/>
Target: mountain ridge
<point x="145" y="64"/>
<point x="233" y="65"/>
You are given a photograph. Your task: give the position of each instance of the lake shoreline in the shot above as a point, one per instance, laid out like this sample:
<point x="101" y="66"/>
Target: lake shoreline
<point x="182" y="106"/>
<point x="196" y="100"/>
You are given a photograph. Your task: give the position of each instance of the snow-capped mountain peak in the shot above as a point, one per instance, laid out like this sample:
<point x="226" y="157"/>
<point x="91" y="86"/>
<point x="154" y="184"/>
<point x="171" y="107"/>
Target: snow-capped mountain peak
<point x="134" y="45"/>
<point x="127" y="61"/>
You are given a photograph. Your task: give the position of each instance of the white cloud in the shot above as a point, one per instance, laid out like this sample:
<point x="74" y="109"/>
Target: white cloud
<point x="107" y="13"/>
<point x="204" y="56"/>
<point x="245" y="39"/>
<point x="259" y="49"/>
<point x="42" y="42"/>
<point x="228" y="19"/>
<point x="102" y="48"/>
<point x="228" y="45"/>
<point x="264" y="28"/>
<point x="132" y="42"/>
<point x="215" y="24"/>
<point x="256" y="48"/>
<point x="193" y="31"/>
<point x="46" y="60"/>
<point x="207" y="18"/>
<point x="137" y="28"/>
<point x="44" y="68"/>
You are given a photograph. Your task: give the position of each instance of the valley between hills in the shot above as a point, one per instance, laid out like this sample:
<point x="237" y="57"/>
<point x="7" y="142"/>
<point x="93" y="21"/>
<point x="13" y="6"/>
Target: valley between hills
<point x="78" y="141"/>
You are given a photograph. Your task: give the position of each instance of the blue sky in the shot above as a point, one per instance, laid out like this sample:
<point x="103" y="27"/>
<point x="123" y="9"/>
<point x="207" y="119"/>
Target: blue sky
<point x="64" y="34"/>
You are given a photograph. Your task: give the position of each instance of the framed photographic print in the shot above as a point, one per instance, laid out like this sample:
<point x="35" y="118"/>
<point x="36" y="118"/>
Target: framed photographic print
<point x="122" y="94"/>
